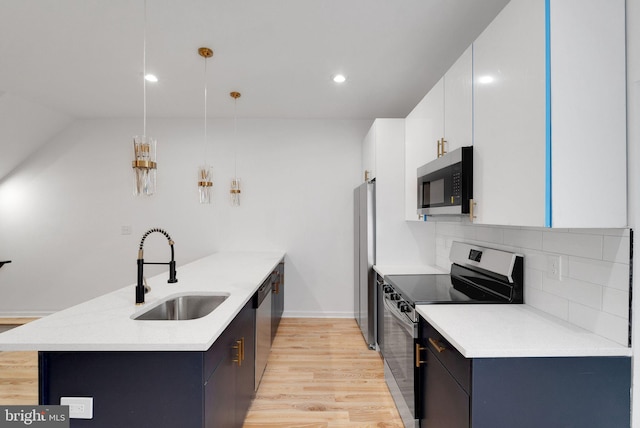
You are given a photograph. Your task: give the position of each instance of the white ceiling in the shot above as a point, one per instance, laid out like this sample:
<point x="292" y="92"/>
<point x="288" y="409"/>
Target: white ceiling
<point x="83" y="58"/>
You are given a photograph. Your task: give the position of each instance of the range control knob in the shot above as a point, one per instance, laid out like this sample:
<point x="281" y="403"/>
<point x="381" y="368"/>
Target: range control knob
<point x="404" y="307"/>
<point x="394" y="296"/>
<point x="387" y="288"/>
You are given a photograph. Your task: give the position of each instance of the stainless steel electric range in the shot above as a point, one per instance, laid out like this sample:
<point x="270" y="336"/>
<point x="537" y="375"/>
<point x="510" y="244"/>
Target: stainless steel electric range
<point x="478" y="275"/>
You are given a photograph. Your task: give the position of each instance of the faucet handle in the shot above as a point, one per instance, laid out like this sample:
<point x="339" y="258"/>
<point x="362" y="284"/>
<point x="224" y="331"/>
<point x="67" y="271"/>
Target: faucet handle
<point x="147" y="289"/>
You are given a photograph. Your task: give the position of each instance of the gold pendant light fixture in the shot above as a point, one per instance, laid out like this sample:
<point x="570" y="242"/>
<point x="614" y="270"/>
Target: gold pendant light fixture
<point x="205" y="185"/>
<point x="144" y="147"/>
<point x="235" y="181"/>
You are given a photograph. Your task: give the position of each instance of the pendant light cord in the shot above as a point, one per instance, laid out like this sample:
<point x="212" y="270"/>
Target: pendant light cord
<point x="144" y="73"/>
<point x="235" y="138"/>
<point x="205" y="110"/>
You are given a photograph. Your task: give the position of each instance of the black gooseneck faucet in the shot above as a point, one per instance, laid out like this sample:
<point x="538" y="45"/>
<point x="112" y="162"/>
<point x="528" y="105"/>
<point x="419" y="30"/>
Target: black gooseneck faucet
<point x="140" y="289"/>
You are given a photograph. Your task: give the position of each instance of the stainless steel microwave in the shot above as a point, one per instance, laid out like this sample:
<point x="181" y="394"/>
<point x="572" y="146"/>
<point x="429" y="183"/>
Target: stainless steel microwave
<point x="445" y="185"/>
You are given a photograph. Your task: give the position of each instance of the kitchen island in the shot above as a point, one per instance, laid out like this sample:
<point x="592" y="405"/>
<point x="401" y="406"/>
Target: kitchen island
<point x="155" y="373"/>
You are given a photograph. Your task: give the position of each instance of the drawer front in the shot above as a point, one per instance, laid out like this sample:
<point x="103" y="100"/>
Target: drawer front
<point x="444" y="402"/>
<point x="451" y="359"/>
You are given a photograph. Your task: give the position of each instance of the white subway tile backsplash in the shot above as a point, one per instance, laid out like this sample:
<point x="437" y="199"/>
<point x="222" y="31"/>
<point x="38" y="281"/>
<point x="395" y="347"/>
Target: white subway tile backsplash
<point x="523" y="238"/>
<point x="449" y="229"/>
<point x="604" y="232"/>
<point x="535" y="260"/>
<point x="610" y="326"/>
<point x="533" y="278"/>
<point x="549" y="303"/>
<point x="616" y="249"/>
<point x="577" y="291"/>
<point x="614" y="301"/>
<point x="573" y="244"/>
<point x="593" y="292"/>
<point x="613" y="275"/>
<point x="490" y="234"/>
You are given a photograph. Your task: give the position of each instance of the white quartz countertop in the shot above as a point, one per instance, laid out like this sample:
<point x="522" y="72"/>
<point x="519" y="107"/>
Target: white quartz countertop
<point x="105" y="323"/>
<point x="494" y="331"/>
<point x="386" y="270"/>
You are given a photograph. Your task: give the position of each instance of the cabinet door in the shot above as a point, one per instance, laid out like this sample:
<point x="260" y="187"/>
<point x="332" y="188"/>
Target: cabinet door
<point x="219" y="395"/>
<point x="230" y="387"/>
<point x="509" y="117"/>
<point x="244" y="332"/>
<point x="369" y="154"/>
<point x="277" y="300"/>
<point x="458" y="102"/>
<point x="588" y="131"/>
<point x="444" y="403"/>
<point x="423" y="128"/>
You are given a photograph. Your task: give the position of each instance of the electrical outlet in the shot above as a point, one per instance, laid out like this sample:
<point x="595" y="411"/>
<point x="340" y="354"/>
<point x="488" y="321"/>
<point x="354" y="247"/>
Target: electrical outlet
<point x="125" y="230"/>
<point x="79" y="407"/>
<point x="554" y="267"/>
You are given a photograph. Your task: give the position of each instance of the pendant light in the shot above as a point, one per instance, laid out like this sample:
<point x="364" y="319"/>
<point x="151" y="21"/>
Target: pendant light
<point x="144" y="147"/>
<point x="205" y="185"/>
<point x="235" y="181"/>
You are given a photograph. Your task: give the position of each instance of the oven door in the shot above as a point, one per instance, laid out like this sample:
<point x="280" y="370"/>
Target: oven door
<point x="400" y="333"/>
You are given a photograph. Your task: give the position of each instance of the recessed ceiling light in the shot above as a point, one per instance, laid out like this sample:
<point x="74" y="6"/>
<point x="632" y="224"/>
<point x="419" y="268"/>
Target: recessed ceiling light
<point x="485" y="79"/>
<point x="339" y="78"/>
<point x="151" y="78"/>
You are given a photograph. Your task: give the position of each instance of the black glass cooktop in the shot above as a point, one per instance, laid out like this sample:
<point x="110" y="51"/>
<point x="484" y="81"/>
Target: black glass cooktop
<point x="441" y="288"/>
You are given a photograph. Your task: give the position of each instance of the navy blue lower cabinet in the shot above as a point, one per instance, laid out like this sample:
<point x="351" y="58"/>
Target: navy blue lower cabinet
<point x="567" y="392"/>
<point x="277" y="299"/>
<point x="159" y="389"/>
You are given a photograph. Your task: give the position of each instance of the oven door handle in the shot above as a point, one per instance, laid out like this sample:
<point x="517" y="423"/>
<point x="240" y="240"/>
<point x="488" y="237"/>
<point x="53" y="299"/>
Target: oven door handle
<point x="399" y="316"/>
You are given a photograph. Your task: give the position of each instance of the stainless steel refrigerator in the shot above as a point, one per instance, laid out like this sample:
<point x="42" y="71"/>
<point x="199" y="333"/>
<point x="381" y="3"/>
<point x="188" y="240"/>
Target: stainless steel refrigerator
<point x="364" y="259"/>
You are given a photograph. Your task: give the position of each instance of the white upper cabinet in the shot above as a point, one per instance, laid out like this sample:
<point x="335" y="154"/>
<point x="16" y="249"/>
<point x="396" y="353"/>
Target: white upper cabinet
<point x="424" y="126"/>
<point x="458" y="102"/>
<point x="446" y="112"/>
<point x="369" y="154"/>
<point x="549" y="115"/>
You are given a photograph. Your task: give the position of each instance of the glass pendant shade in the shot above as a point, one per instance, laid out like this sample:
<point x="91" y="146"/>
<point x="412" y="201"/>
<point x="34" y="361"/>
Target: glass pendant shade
<point x="144" y="165"/>
<point x="205" y="185"/>
<point x="235" y="192"/>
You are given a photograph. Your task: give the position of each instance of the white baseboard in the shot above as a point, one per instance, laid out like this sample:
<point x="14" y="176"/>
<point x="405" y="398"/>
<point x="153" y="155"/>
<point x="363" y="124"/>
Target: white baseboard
<point x="314" y="314"/>
<point x="20" y="314"/>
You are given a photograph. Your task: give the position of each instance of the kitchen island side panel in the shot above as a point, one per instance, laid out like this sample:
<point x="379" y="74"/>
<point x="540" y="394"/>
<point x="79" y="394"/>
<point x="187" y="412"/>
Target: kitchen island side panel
<point x="580" y="392"/>
<point x="129" y="389"/>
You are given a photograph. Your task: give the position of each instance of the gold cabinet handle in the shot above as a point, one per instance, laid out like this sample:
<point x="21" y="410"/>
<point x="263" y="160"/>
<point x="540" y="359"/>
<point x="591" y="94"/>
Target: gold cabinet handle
<point x="242" y="348"/>
<point x="437" y="345"/>
<point x="472" y="204"/>
<point x="441" y="150"/>
<point x="238" y="347"/>
<point x="418" y="360"/>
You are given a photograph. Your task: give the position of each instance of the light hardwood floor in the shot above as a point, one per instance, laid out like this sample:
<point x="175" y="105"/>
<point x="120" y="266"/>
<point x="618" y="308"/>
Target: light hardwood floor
<point x="320" y="374"/>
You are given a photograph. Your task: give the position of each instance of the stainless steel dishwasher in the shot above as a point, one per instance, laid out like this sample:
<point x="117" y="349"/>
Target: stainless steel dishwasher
<point x="263" y="328"/>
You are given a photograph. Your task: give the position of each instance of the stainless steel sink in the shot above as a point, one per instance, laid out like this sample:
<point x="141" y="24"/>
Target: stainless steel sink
<point x="186" y="307"/>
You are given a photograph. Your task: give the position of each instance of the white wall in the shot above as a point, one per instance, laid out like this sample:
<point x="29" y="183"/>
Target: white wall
<point x="62" y="211"/>
<point x="633" y="136"/>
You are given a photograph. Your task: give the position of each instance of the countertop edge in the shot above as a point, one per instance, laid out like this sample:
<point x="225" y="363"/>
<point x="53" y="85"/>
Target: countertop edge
<point x="452" y="328"/>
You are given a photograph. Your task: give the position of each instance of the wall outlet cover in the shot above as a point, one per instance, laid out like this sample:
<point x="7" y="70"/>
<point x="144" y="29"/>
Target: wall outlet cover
<point x="554" y="267"/>
<point x="79" y="407"/>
